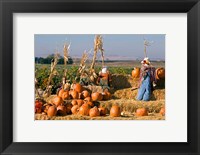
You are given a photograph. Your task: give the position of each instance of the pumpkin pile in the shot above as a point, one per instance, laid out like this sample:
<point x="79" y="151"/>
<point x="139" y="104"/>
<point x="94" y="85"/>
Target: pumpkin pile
<point x="76" y="101"/>
<point x="79" y="101"/>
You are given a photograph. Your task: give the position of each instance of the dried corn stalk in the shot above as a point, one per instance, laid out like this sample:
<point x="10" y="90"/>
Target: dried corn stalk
<point x="66" y="53"/>
<point x="98" y="46"/>
<point x="54" y="62"/>
<point x="82" y="65"/>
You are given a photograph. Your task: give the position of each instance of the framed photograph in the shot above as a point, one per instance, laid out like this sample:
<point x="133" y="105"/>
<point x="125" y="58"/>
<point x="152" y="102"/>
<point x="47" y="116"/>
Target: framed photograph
<point x="100" y="83"/>
<point x="118" y="75"/>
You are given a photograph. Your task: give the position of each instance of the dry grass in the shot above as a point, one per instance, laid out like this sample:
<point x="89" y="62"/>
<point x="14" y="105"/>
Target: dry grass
<point x="130" y="105"/>
<point x="152" y="116"/>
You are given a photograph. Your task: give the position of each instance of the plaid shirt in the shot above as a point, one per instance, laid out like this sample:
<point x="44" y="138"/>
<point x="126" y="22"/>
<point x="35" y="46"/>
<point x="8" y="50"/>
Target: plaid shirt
<point x="144" y="72"/>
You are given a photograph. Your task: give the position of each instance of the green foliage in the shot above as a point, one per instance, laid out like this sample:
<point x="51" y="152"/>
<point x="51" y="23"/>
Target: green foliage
<point x="121" y="70"/>
<point x="43" y="71"/>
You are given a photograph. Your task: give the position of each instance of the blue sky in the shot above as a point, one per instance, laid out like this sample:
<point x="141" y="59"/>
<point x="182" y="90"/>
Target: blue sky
<point x="116" y="46"/>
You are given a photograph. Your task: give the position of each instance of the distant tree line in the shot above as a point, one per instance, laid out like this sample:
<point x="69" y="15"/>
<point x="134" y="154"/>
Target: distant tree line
<point x="47" y="60"/>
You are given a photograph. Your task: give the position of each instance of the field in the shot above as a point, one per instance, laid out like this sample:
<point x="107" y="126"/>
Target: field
<point x="122" y="81"/>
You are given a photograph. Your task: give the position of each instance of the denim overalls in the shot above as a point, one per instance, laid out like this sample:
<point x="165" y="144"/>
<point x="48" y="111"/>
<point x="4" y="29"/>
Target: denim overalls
<point x="144" y="91"/>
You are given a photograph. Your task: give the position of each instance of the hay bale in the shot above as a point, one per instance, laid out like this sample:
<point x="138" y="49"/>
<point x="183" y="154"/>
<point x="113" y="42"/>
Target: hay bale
<point x="158" y="94"/>
<point x="93" y="88"/>
<point x="49" y="99"/>
<point x="130" y="105"/>
<point x="120" y="81"/>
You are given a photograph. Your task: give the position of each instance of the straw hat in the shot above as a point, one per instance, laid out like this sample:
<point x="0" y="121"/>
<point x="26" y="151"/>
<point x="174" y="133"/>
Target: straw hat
<point x="145" y="61"/>
<point x="104" y="69"/>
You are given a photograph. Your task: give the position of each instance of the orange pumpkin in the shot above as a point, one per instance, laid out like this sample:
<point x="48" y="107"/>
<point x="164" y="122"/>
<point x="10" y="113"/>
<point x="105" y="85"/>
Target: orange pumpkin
<point x="74" y="94"/>
<point x="141" y="112"/>
<point x="57" y="100"/>
<point x="68" y="108"/>
<point x="38" y="110"/>
<point x="91" y="104"/>
<point x="85" y="94"/>
<point x="88" y="99"/>
<point x="84" y="110"/>
<point x="61" y="110"/>
<point x="160" y="73"/>
<point x="75" y="109"/>
<point x="100" y="98"/>
<point x="46" y="107"/>
<point x="102" y="111"/>
<point x="94" y="112"/>
<point x="78" y="87"/>
<point x="115" y="111"/>
<point x="106" y="95"/>
<point x="38" y="104"/>
<point x="52" y="111"/>
<point x="162" y="111"/>
<point x="136" y="72"/>
<point x="97" y="96"/>
<point x="74" y="102"/>
<point x="65" y="95"/>
<point x="80" y="102"/>
<point x="61" y="92"/>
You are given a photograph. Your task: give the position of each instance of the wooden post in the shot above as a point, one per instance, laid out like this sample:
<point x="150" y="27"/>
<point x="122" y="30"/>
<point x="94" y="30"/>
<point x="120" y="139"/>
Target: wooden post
<point x="102" y="57"/>
<point x="145" y="52"/>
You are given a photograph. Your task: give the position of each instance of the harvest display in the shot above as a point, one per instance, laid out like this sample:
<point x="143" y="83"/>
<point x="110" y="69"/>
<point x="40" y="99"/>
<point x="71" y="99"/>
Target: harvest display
<point x="67" y="92"/>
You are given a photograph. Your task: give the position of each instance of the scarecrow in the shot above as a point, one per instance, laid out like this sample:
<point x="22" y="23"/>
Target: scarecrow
<point x="147" y="80"/>
<point x="105" y="78"/>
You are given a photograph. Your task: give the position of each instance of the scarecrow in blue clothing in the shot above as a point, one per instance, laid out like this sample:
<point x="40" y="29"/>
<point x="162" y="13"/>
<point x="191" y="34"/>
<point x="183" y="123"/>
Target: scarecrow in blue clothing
<point x="147" y="80"/>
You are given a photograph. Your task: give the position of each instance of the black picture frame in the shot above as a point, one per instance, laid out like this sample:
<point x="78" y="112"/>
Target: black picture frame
<point x="8" y="7"/>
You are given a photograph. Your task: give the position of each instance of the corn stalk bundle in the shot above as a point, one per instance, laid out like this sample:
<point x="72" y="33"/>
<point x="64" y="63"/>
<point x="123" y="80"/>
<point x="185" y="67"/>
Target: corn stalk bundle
<point x="65" y="54"/>
<point x="54" y="62"/>
<point x="98" y="46"/>
<point x="82" y="63"/>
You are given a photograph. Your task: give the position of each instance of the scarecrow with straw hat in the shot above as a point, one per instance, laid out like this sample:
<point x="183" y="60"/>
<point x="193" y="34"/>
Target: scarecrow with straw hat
<point x="146" y="80"/>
